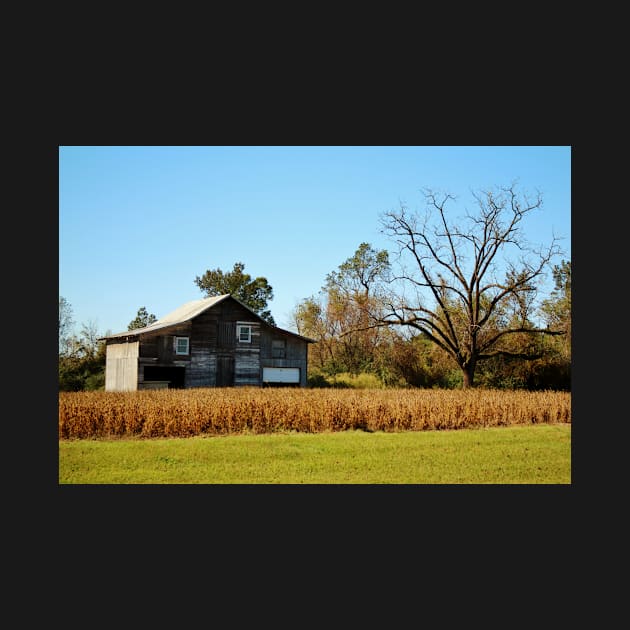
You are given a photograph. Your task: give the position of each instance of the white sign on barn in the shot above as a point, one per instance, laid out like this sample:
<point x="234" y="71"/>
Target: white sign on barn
<point x="281" y="375"/>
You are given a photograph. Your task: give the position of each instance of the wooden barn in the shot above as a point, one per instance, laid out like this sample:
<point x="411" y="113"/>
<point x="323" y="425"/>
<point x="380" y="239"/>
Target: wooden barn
<point x="211" y="342"/>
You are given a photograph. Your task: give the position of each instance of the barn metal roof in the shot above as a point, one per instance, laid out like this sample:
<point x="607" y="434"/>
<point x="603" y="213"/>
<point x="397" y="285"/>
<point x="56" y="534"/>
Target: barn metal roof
<point x="187" y="312"/>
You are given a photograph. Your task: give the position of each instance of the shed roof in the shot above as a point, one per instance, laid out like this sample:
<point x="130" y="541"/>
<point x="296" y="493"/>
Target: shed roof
<point x="188" y="311"/>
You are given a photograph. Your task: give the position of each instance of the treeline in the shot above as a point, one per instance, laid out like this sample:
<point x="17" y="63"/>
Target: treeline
<point x="400" y="362"/>
<point x="379" y="356"/>
<point x="462" y="301"/>
<point x="81" y="356"/>
<point x="345" y="354"/>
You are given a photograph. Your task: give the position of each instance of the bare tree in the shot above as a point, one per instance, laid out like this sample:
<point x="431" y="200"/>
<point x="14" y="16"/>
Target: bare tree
<point x="90" y="338"/>
<point x="458" y="285"/>
<point x="65" y="324"/>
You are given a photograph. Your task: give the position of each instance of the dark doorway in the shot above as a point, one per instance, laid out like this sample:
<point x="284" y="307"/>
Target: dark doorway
<point x="174" y="374"/>
<point x="225" y="371"/>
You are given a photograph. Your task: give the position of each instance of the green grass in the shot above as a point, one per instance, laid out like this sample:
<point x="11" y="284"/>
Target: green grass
<point x="505" y="455"/>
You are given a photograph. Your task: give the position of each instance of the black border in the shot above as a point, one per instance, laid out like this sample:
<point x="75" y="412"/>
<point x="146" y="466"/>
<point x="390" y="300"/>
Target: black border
<point x="124" y="519"/>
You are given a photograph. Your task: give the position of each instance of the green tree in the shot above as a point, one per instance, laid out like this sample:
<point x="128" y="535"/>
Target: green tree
<point x="554" y="372"/>
<point x="457" y="284"/>
<point x="351" y="298"/>
<point x="255" y="293"/>
<point x="557" y="309"/>
<point x="310" y="320"/>
<point x="338" y="317"/>
<point x="357" y="276"/>
<point x="143" y="318"/>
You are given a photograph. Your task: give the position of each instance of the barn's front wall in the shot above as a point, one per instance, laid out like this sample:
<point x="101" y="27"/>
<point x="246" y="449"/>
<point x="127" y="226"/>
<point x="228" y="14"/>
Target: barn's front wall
<point x="217" y="359"/>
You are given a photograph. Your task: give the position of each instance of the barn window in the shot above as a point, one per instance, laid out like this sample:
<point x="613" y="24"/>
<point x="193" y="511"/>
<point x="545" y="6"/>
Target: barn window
<point x="244" y="333"/>
<point x="181" y="345"/>
<point x="278" y="349"/>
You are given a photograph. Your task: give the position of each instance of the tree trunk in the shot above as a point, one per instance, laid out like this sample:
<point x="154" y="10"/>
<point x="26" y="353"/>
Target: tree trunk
<point x="468" y="372"/>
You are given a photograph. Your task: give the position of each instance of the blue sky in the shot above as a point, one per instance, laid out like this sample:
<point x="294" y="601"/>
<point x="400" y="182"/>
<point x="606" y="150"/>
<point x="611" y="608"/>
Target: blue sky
<point x="137" y="224"/>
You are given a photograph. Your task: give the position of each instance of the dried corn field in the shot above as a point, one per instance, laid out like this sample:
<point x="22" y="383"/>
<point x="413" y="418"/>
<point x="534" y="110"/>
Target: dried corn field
<point x="183" y="413"/>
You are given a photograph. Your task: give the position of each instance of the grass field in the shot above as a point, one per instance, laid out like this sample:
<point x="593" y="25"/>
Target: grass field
<point x="535" y="454"/>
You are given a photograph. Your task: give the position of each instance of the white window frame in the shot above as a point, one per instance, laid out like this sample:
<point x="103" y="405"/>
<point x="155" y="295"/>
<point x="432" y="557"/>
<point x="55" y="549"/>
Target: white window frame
<point x="187" y="339"/>
<point x="241" y="327"/>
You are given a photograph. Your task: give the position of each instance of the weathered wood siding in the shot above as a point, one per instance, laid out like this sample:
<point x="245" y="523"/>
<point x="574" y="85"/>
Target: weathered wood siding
<point x="247" y="369"/>
<point x="203" y="368"/>
<point x="203" y="358"/>
<point x="121" y="366"/>
<point x="160" y="345"/>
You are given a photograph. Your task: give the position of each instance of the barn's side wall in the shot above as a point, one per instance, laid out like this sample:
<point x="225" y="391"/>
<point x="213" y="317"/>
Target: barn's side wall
<point x="295" y="352"/>
<point x="121" y="366"/>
